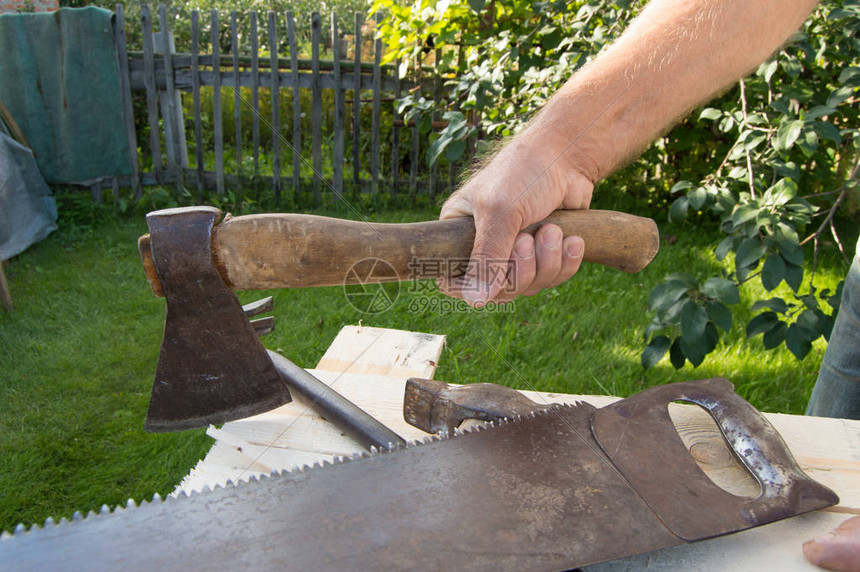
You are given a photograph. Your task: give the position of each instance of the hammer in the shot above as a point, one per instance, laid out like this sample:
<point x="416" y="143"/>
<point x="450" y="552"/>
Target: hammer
<point x="437" y="407"/>
<point x="212" y="367"/>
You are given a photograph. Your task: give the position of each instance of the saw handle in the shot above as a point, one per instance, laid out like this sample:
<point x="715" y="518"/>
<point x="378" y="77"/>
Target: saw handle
<point x="641" y="423"/>
<point x="266" y="251"/>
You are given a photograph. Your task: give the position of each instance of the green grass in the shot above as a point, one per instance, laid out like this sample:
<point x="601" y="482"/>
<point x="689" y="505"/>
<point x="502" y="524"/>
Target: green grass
<point x="79" y="351"/>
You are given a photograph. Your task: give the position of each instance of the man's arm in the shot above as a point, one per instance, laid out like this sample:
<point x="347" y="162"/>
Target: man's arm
<point x="674" y="56"/>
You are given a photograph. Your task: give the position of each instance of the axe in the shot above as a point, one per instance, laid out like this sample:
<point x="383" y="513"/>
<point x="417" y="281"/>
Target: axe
<point x="212" y="367"/>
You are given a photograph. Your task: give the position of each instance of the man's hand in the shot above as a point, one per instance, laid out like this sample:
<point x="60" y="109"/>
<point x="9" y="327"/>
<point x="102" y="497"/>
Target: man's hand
<point x="521" y="185"/>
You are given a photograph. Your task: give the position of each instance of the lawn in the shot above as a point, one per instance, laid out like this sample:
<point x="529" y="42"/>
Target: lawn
<point x="79" y="351"/>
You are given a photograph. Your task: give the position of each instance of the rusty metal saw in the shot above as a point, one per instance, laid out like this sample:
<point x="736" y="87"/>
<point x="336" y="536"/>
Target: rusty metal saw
<point x="562" y="488"/>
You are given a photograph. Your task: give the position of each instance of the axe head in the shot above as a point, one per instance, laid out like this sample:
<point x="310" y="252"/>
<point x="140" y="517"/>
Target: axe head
<point x="212" y="367"/>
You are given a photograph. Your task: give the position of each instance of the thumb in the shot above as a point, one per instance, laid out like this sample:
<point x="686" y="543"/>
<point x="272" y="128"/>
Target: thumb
<point x="486" y="274"/>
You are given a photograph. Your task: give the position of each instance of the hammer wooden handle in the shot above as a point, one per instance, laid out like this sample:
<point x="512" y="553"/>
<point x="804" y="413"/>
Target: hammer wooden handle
<point x="264" y="251"/>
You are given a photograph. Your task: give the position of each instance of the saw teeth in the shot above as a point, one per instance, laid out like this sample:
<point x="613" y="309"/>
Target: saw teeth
<point x="156" y="498"/>
<point x="49" y="522"/>
<point x="20" y="529"/>
<point x="105" y="509"/>
<point x="130" y="504"/>
<point x="77" y="516"/>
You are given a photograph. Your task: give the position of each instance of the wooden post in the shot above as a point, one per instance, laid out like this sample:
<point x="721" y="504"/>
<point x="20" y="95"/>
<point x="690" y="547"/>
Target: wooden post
<point x="195" y="91"/>
<point x="356" y="105"/>
<point x="316" y="107"/>
<point x="5" y="295"/>
<point x="237" y="102"/>
<point x="171" y="101"/>
<point x="337" y="147"/>
<point x="151" y="93"/>
<point x="297" y="106"/>
<point x="216" y="104"/>
<point x="276" y="107"/>
<point x="255" y="93"/>
<point x="377" y="95"/>
<point x="395" y="134"/>
<point x="437" y="97"/>
<point x="128" y="110"/>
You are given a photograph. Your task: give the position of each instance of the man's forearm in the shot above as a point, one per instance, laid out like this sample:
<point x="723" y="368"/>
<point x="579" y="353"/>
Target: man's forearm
<point x="676" y="55"/>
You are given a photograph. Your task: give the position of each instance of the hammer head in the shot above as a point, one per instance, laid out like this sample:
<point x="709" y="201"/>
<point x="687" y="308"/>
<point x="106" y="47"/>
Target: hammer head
<point x="212" y="367"/>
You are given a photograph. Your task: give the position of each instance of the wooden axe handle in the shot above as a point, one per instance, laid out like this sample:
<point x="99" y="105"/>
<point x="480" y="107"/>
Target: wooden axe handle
<point x="264" y="251"/>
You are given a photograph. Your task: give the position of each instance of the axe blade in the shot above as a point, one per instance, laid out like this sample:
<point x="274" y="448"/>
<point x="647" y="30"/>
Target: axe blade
<point x="212" y="367"/>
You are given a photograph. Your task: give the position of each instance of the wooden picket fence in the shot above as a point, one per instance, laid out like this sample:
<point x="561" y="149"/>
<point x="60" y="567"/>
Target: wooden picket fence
<point x="166" y="76"/>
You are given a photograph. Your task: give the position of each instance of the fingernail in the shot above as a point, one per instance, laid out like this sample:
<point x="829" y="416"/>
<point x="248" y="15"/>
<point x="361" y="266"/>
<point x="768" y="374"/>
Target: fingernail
<point x="552" y="238"/>
<point x="574" y="247"/>
<point x="476" y="294"/>
<point x="524" y="247"/>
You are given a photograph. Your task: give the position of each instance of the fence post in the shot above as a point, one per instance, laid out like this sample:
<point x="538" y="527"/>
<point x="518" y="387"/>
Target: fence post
<point x="337" y="147"/>
<point x="356" y="105"/>
<point x="170" y="101"/>
<point x="195" y="90"/>
<point x="151" y="92"/>
<point x="377" y="95"/>
<point x="297" y="105"/>
<point x="128" y="110"/>
<point x="217" y="120"/>
<point x="237" y="103"/>
<point x="276" y="107"/>
<point x="255" y="93"/>
<point x="316" y="107"/>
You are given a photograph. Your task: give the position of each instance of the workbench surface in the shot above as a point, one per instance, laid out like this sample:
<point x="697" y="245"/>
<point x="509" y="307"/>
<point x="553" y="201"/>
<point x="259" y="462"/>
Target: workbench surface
<point x="370" y="366"/>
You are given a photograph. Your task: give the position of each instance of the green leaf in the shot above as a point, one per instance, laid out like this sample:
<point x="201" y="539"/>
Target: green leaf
<point x="721" y="289"/>
<point x="773" y="271"/>
<point x="476" y="5"/>
<point x="790" y="250"/>
<point x="762" y="323"/>
<point x="436" y="149"/>
<point x="749" y="252"/>
<point x="693" y="321"/>
<point x="767" y="69"/>
<point x="455" y="150"/>
<point x="697" y="197"/>
<point x="711" y="114"/>
<point x="827" y="130"/>
<point x="665" y="294"/>
<point x="720" y="314"/>
<point x="793" y="276"/>
<point x="680" y="186"/>
<point x="778" y="305"/>
<point x="775" y="336"/>
<point x="783" y="191"/>
<point x="678" y="210"/>
<point x="787" y="135"/>
<point x="723" y="248"/>
<point x="694" y="349"/>
<point x="676" y="354"/>
<point x="797" y="341"/>
<point x="687" y="279"/>
<point x="654" y="351"/>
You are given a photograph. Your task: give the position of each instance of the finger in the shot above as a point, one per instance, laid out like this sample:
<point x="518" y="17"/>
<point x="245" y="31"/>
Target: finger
<point x="573" y="249"/>
<point x="486" y="275"/>
<point x="548" y="252"/>
<point x="523" y="268"/>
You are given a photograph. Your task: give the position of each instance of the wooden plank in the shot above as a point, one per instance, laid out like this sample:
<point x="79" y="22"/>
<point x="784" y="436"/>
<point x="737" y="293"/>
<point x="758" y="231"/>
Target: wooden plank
<point x="5" y="294"/>
<point x="316" y="108"/>
<point x="195" y="91"/>
<point x="151" y="95"/>
<point x="339" y="111"/>
<point x="128" y="110"/>
<point x="395" y="136"/>
<point x="377" y="94"/>
<point x="276" y="108"/>
<point x="297" y="105"/>
<point x="356" y="103"/>
<point x="383" y="351"/>
<point x="255" y="92"/>
<point x="237" y="99"/>
<point x="217" y="121"/>
<point x="174" y="132"/>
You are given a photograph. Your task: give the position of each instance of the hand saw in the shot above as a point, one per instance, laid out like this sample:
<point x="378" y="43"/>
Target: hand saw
<point x="566" y="487"/>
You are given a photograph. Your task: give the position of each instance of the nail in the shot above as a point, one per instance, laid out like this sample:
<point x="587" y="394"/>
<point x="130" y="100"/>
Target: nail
<point x="552" y="238"/>
<point x="524" y="247"/>
<point x="476" y="294"/>
<point x="574" y="247"/>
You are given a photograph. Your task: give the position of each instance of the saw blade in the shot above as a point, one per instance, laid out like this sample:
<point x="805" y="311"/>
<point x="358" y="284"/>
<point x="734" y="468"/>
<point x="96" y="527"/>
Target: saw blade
<point x="532" y="493"/>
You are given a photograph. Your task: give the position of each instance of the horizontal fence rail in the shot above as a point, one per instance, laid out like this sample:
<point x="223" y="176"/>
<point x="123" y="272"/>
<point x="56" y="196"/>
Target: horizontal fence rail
<point x="239" y="105"/>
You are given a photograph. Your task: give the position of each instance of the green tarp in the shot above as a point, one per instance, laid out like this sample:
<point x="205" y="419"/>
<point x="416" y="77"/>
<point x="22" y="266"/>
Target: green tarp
<point x="59" y="78"/>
